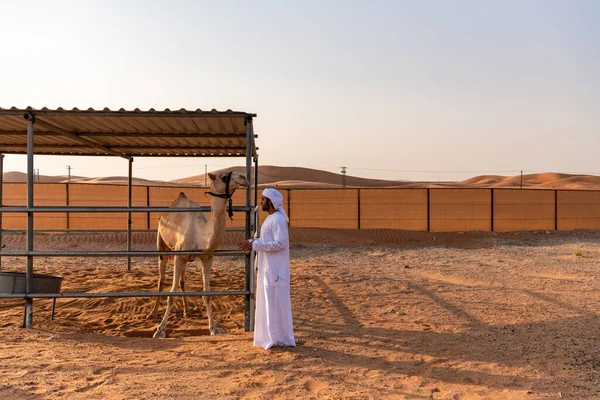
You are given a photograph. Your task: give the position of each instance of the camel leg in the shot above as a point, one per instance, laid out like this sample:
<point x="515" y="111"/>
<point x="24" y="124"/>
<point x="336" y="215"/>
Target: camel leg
<point x="162" y="267"/>
<point x="185" y="304"/>
<point x="206" y="265"/>
<point x="179" y="270"/>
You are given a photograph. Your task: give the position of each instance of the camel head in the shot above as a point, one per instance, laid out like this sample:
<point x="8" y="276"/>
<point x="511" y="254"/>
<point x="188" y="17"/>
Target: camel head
<point x="224" y="183"/>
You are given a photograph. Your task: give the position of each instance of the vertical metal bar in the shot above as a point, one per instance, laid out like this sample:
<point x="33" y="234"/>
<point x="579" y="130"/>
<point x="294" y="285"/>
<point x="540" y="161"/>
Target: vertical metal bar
<point x="428" y="210"/>
<point x="249" y="298"/>
<point x="289" y="210"/>
<point x="256" y="214"/>
<point x="67" y="203"/>
<point x="1" y="201"/>
<point x="253" y="257"/>
<point x="148" y="205"/>
<point x="256" y="184"/>
<point x="28" y="317"/>
<point x="129" y="213"/>
<point x="555" y="210"/>
<point x="492" y="209"/>
<point x="358" y="208"/>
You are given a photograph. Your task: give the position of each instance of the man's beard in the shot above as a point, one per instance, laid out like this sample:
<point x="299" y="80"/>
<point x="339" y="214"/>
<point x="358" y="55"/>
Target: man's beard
<point x="265" y="207"/>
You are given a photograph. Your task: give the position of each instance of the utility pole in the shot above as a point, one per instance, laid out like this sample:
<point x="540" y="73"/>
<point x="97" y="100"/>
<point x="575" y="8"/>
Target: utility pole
<point x="521" y="179"/>
<point x="69" y="169"/>
<point x="344" y="177"/>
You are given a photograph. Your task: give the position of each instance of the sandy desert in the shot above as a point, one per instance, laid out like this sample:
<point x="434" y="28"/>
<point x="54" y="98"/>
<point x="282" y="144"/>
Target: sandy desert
<point x="377" y="314"/>
<point x="299" y="177"/>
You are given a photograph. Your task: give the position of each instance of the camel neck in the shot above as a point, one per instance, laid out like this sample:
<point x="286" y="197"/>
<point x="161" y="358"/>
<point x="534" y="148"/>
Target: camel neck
<point x="216" y="222"/>
<point x="218" y="207"/>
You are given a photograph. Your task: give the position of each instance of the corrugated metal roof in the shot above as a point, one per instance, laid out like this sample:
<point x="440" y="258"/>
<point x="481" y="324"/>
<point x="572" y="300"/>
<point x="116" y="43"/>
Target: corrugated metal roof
<point x="136" y="133"/>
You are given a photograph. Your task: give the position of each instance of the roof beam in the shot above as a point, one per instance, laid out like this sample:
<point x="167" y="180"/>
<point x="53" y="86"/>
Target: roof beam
<point x="184" y="147"/>
<point x="149" y="154"/>
<point x="167" y="135"/>
<point x="131" y="147"/>
<point x="87" y="142"/>
<point x="138" y="135"/>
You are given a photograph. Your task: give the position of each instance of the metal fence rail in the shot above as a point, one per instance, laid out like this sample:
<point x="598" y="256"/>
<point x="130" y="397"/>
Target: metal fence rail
<point x="119" y="294"/>
<point x="75" y="209"/>
<point x="119" y="253"/>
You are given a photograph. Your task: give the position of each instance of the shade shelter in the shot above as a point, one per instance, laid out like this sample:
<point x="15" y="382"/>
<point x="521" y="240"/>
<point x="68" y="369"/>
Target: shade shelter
<point x="127" y="134"/>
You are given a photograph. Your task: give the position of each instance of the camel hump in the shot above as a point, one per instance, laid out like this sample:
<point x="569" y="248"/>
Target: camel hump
<point x="183" y="201"/>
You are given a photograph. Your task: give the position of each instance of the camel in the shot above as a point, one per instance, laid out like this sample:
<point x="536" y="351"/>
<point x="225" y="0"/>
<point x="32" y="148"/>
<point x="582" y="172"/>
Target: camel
<point x="193" y="231"/>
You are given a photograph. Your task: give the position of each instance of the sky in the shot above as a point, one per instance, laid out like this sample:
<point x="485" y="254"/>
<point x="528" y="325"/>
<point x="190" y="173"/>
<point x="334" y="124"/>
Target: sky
<point x="403" y="90"/>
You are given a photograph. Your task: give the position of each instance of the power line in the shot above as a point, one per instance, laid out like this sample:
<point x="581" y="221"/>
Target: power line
<point x="429" y="171"/>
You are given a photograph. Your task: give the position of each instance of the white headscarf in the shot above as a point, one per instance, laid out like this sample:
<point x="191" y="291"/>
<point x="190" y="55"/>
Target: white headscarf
<point x="277" y="200"/>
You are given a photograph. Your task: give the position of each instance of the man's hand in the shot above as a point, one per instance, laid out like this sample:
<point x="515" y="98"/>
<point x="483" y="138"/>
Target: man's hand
<point x="244" y="245"/>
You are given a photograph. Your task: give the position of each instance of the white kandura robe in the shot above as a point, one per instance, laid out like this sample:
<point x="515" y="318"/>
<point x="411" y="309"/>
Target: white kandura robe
<point x="273" y="318"/>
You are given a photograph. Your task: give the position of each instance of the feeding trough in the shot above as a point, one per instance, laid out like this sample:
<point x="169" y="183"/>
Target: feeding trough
<point x="15" y="283"/>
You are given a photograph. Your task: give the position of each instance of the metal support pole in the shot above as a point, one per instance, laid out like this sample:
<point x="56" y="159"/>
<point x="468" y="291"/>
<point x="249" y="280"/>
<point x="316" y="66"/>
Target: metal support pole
<point x="129" y="213"/>
<point x="256" y="219"/>
<point x="67" y="204"/>
<point x="249" y="298"/>
<point x="1" y="200"/>
<point x="256" y="182"/>
<point x="28" y="317"/>
<point x="53" y="308"/>
<point x="148" y="205"/>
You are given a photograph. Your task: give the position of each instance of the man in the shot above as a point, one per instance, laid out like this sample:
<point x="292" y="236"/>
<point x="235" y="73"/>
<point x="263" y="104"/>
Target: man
<point x="273" y="320"/>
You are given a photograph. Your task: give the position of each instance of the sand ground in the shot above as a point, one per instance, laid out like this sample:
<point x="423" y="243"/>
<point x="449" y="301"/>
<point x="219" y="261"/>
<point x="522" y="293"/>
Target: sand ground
<point x="377" y="314"/>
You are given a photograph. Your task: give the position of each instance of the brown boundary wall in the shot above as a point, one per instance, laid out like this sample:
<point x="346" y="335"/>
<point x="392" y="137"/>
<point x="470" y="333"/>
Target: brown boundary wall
<point x="435" y="209"/>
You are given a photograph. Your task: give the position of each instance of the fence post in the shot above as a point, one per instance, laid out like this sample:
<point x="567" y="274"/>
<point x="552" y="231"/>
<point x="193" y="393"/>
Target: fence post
<point x="1" y="200"/>
<point x="358" y="208"/>
<point x="129" y="204"/>
<point x="67" y="203"/>
<point x="428" y="211"/>
<point x="289" y="207"/>
<point x="148" y="205"/>
<point x="555" y="210"/>
<point x="492" y="209"/>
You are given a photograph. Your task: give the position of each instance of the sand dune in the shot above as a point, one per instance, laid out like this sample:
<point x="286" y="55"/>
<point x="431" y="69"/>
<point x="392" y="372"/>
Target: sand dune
<point x="122" y="180"/>
<point x="299" y="177"/>
<point x="16" y="176"/>
<point x="548" y="180"/>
